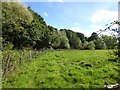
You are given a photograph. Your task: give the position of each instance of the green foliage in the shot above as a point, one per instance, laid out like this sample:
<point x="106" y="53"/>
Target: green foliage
<point x="91" y="45"/>
<point x="84" y="46"/>
<point x="111" y="41"/>
<point x="116" y="30"/>
<point x="15" y="20"/>
<point x="7" y="46"/>
<point x="54" y="37"/>
<point x="24" y="28"/>
<point x="119" y="48"/>
<point x="66" y="69"/>
<point x="64" y="42"/>
<point x="82" y="37"/>
<point x="100" y="44"/>
<point x="93" y="37"/>
<point x="88" y="45"/>
<point x="39" y="31"/>
<point x="12" y="59"/>
<point x="74" y="40"/>
<point x="77" y="43"/>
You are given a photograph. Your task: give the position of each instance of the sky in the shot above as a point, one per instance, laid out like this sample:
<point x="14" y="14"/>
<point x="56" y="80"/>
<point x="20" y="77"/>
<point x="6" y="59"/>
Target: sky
<point x="84" y="17"/>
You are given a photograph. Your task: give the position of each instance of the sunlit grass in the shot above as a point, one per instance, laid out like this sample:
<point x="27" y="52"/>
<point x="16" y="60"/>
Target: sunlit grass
<point x="66" y="69"/>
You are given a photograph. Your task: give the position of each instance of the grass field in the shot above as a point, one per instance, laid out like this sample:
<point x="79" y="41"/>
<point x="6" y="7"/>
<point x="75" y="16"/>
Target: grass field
<point x="66" y="69"/>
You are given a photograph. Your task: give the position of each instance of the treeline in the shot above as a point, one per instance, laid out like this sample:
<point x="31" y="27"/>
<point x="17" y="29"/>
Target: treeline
<point x="24" y="28"/>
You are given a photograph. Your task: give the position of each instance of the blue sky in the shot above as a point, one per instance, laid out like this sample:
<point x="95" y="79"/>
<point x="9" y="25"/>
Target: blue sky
<point x="85" y="17"/>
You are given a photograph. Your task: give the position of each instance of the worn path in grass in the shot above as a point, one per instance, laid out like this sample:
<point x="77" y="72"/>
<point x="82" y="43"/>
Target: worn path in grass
<point x="66" y="69"/>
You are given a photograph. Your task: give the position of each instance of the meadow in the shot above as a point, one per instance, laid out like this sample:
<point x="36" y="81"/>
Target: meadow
<point x="66" y="69"/>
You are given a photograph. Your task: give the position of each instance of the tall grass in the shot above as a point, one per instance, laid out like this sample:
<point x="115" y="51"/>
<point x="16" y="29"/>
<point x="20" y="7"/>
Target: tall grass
<point x="12" y="59"/>
<point x="66" y="69"/>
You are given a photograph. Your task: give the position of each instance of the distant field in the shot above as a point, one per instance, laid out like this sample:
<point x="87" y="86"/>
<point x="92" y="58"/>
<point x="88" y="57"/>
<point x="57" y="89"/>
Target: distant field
<point x="66" y="69"/>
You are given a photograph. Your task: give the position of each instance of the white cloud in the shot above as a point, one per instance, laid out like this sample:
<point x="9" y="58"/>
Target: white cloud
<point x="46" y="14"/>
<point x="87" y="31"/>
<point x="92" y="28"/>
<point x="115" y="26"/>
<point x="96" y="28"/>
<point x="55" y="0"/>
<point x="104" y="16"/>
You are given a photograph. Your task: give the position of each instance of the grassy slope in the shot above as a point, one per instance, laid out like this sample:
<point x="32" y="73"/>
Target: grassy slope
<point x="66" y="69"/>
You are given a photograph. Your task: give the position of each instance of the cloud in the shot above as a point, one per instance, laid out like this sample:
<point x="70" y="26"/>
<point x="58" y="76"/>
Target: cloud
<point x="96" y="28"/>
<point x="55" y="0"/>
<point x="114" y="26"/>
<point x="46" y="14"/>
<point x="104" y="16"/>
<point x="92" y="28"/>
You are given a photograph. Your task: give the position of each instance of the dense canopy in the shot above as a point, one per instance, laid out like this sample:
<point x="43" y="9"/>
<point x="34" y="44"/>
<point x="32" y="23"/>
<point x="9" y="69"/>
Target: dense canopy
<point x="24" y="28"/>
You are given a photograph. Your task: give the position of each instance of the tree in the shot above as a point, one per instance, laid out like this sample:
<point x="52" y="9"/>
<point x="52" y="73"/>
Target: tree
<point x="38" y="31"/>
<point x="111" y="41"/>
<point x="116" y="30"/>
<point x="74" y="40"/>
<point x="15" y="20"/>
<point x="84" y="45"/>
<point x="64" y="42"/>
<point x="89" y="45"/>
<point x="94" y="36"/>
<point x="100" y="44"/>
<point x="54" y="37"/>
<point x="76" y="43"/>
<point x="82" y="37"/>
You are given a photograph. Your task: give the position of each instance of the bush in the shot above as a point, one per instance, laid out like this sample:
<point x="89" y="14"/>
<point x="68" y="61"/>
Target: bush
<point x="89" y="45"/>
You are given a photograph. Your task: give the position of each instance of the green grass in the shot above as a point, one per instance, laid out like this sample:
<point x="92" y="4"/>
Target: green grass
<point x="66" y="69"/>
